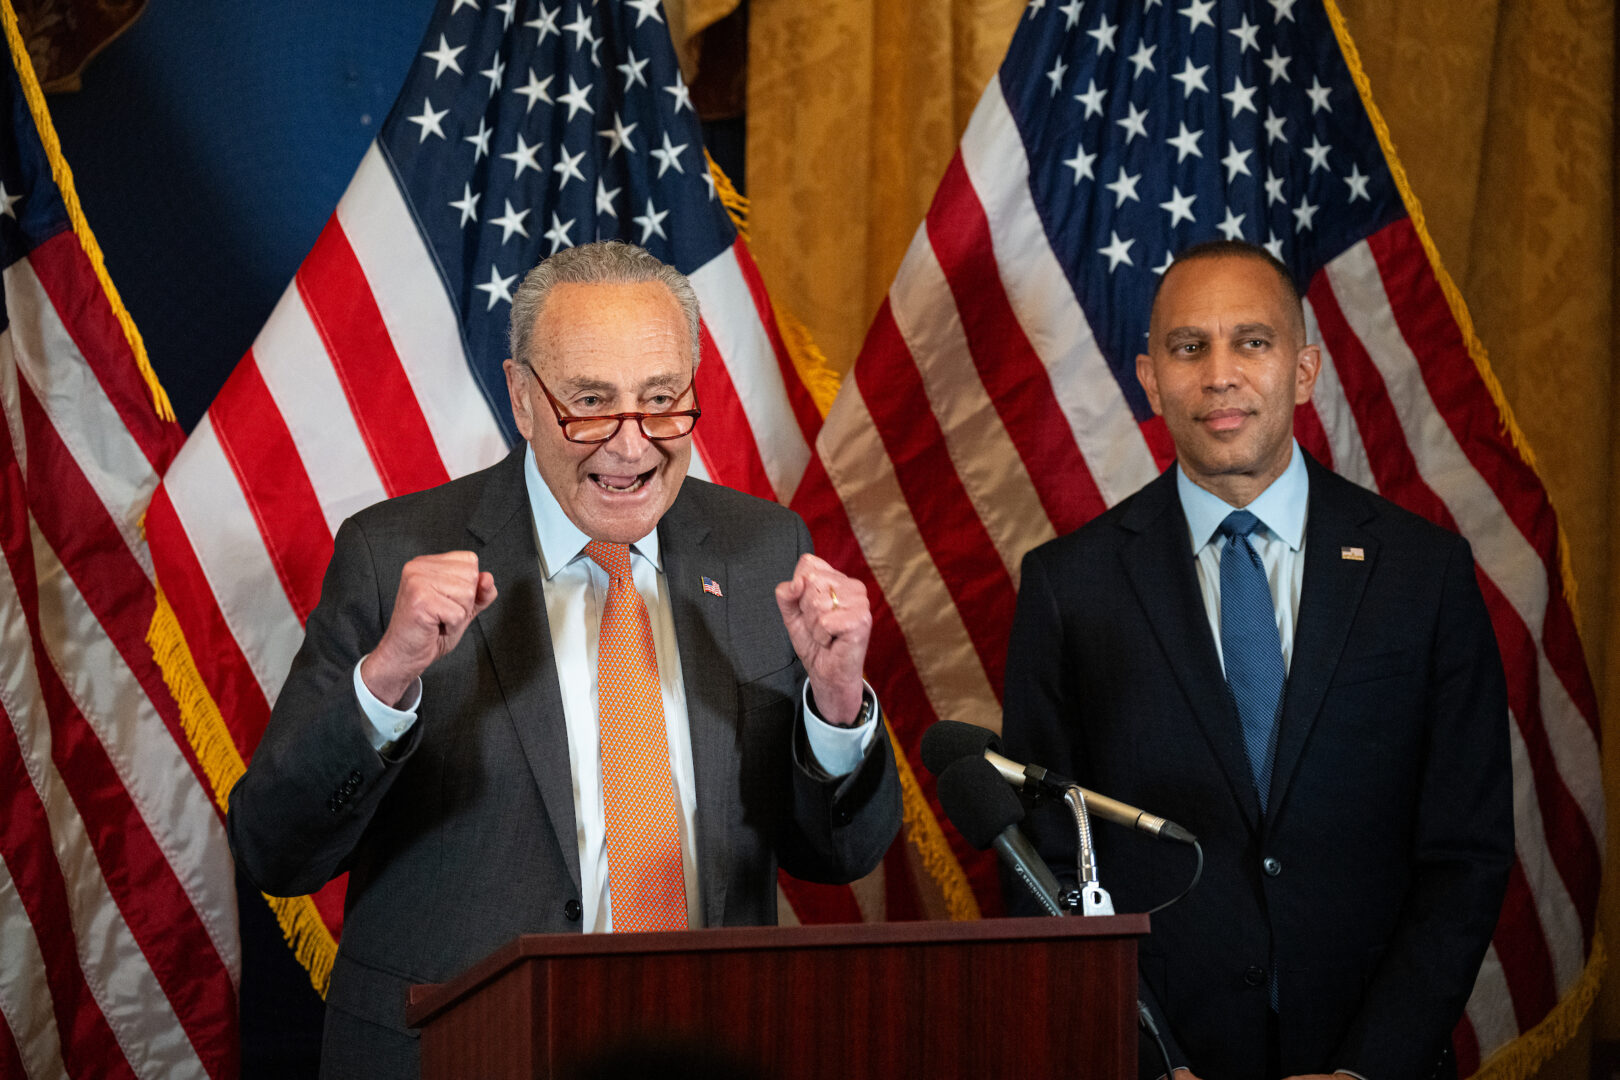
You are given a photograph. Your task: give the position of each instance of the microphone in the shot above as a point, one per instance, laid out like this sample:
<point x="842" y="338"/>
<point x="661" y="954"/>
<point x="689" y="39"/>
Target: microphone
<point x="987" y="815"/>
<point x="950" y="740"/>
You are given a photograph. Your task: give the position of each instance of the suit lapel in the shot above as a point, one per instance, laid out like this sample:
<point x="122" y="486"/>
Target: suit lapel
<point x="517" y="636"/>
<point x="1160" y="565"/>
<point x="1329" y="596"/>
<point x="702" y="629"/>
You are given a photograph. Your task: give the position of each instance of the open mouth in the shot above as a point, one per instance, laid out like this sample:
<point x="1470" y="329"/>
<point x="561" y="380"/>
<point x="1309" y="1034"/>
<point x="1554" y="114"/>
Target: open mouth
<point x="622" y="485"/>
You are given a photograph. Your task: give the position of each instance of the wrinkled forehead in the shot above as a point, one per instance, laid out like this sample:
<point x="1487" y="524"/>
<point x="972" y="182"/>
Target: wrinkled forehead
<point x="623" y="333"/>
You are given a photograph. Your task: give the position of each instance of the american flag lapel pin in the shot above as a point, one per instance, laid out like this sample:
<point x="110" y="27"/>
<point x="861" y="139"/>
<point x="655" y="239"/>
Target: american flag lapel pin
<point x="712" y="587"/>
<point x="1354" y="554"/>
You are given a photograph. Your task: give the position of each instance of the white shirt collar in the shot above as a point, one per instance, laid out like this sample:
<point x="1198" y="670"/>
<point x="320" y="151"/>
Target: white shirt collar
<point x="561" y="541"/>
<point x="1280" y="508"/>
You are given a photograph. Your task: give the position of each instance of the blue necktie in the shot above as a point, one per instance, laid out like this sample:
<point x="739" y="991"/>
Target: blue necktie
<point x="1251" y="646"/>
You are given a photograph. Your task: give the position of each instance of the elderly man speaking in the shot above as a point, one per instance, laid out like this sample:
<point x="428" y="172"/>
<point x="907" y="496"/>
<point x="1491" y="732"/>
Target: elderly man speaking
<point x="578" y="690"/>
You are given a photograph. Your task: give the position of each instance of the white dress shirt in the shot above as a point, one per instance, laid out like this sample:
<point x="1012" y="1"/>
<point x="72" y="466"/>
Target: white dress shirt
<point x="1279" y="541"/>
<point x="576" y="589"/>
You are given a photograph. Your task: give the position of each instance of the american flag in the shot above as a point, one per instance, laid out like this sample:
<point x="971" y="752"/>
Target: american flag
<point x="712" y="587"/>
<point x="995" y="404"/>
<point x="118" y="936"/>
<point x="520" y="130"/>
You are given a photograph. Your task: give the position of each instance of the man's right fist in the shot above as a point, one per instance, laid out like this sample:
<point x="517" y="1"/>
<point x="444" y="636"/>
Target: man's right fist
<point x="437" y="599"/>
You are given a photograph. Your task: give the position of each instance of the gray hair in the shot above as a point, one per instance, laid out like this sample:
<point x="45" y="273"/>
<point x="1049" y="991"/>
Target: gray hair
<point x="609" y="262"/>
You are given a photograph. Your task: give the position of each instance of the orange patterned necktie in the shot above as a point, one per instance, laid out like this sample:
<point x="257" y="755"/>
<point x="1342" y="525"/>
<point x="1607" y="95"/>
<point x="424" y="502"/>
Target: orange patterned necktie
<point x="646" y="888"/>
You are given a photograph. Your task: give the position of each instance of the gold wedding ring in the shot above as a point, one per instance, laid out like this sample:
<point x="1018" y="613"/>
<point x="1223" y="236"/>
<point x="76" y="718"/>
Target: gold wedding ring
<point x="832" y="592"/>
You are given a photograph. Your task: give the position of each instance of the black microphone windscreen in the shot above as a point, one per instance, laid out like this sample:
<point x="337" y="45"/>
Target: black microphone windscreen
<point x="950" y="741"/>
<point x="978" y="801"/>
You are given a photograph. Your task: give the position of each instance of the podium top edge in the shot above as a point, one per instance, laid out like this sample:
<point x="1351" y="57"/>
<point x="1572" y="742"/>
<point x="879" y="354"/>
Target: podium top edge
<point x="425" y="1000"/>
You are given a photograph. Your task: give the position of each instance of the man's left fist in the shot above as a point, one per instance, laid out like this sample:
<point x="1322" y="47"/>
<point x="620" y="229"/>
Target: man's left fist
<point x="829" y="621"/>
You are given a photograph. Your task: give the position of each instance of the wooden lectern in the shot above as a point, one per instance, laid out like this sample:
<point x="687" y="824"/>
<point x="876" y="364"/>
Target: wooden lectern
<point x="996" y="997"/>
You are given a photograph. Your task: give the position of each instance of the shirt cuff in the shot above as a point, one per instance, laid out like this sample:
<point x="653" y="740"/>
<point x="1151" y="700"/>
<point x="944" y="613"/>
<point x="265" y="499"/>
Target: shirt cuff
<point x="838" y="750"/>
<point x="386" y="725"/>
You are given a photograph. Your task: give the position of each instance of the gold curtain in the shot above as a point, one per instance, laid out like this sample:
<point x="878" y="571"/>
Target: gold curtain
<point x="1503" y="114"/>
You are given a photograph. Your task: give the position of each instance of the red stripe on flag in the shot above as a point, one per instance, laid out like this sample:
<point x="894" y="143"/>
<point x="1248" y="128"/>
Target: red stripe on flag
<point x="723" y="433"/>
<point x="1465" y="1044"/>
<point x="804" y="406"/>
<point x="262" y="454"/>
<point x="817" y="904"/>
<point x="214" y="649"/>
<point x="339" y="301"/>
<point x="1311" y="434"/>
<point x="1424" y="318"/>
<point x="1521" y="945"/>
<point x="1014" y="378"/>
<point x="1160" y="444"/>
<point x="1522" y="941"/>
<point x="155" y="907"/>
<point x="65" y="273"/>
<point x="901" y="897"/>
<point x="11" y="1063"/>
<point x="962" y="550"/>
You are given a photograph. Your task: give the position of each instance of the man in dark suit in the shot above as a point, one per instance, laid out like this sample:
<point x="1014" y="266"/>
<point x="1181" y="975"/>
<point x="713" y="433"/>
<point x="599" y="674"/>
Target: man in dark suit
<point x="1302" y="674"/>
<point x="658" y="700"/>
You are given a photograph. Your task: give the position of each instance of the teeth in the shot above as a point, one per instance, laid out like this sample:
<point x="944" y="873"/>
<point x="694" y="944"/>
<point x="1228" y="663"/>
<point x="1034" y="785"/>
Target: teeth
<point x="605" y="486"/>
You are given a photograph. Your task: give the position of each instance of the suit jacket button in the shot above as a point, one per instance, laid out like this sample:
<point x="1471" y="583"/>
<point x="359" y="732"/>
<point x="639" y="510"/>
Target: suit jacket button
<point x="571" y="911"/>
<point x="1255" y="976"/>
<point x="333" y="804"/>
<point x="842" y="816"/>
<point x="1271" y="865"/>
<point x="355" y="777"/>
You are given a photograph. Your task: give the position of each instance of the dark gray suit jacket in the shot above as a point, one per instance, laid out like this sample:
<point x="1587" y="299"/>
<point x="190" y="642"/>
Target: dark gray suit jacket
<point x="1370" y="889"/>
<point x="464" y="835"/>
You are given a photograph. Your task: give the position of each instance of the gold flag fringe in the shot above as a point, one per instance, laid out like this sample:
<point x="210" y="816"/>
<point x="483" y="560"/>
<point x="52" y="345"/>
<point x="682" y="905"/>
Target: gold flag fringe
<point x="819" y="378"/>
<point x="923" y="830"/>
<point x="1524" y="1056"/>
<point x="301" y="923"/>
<point x="1521" y="1057"/>
<point x="70" y="198"/>
<point x="1454" y="298"/>
<point x="735" y="202"/>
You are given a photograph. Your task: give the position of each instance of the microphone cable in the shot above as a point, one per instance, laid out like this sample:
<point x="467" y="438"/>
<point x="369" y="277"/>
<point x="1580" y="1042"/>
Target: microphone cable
<point x="1198" y="872"/>
<point x="1144" y="1020"/>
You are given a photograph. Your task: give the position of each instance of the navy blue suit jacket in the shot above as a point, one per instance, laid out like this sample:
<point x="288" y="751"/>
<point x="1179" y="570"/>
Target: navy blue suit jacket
<point x="1370" y="890"/>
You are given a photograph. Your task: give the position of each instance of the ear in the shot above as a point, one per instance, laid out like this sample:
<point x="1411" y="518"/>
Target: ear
<point x="1308" y="368"/>
<point x="1149" y="380"/>
<point x="522" y="412"/>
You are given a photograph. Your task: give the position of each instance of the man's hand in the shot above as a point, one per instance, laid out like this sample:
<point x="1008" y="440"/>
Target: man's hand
<point x="829" y="620"/>
<point x="438" y="597"/>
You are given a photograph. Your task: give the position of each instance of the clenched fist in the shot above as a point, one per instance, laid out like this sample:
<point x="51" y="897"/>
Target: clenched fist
<point x="829" y="621"/>
<point x="438" y="597"/>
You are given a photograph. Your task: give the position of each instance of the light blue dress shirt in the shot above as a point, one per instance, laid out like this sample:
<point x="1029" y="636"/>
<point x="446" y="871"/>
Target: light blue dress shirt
<point x="1279" y="541"/>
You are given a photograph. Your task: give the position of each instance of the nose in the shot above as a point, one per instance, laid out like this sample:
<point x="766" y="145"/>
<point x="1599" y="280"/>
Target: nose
<point x="1223" y="368"/>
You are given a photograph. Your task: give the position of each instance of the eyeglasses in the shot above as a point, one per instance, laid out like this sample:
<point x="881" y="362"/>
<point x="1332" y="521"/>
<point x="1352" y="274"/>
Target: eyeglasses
<point x="657" y="427"/>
